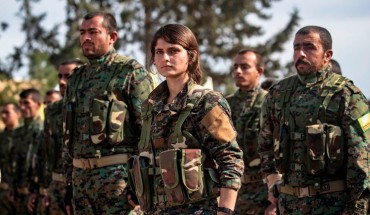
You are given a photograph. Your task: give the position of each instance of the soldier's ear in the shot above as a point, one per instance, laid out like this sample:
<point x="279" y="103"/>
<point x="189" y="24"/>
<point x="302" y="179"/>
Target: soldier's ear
<point x="113" y="36"/>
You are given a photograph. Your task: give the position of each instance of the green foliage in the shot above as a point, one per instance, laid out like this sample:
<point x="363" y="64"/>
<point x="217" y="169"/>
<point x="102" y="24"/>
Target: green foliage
<point x="222" y="29"/>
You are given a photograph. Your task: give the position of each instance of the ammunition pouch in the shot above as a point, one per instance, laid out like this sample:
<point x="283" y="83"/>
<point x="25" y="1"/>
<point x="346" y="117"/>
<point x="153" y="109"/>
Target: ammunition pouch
<point x="184" y="178"/>
<point x="141" y="181"/>
<point x="282" y="148"/>
<point x="107" y="120"/>
<point x="324" y="149"/>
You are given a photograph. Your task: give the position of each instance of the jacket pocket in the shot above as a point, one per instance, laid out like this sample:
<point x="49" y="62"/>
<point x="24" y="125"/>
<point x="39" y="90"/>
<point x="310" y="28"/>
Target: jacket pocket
<point x="334" y="148"/>
<point x="116" y="120"/>
<point x="98" y="120"/>
<point x="315" y="148"/>
<point x="192" y="173"/>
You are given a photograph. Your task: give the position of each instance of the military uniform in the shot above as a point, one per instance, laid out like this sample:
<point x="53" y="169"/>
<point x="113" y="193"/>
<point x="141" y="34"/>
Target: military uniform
<point x="28" y="154"/>
<point x="188" y="149"/>
<point x="245" y="112"/>
<point x="315" y="132"/>
<point x="6" y="168"/>
<point x="103" y="124"/>
<point x="53" y="130"/>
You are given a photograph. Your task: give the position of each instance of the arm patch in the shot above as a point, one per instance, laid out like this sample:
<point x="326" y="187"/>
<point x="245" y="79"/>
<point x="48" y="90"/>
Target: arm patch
<point x="364" y="122"/>
<point x="218" y="124"/>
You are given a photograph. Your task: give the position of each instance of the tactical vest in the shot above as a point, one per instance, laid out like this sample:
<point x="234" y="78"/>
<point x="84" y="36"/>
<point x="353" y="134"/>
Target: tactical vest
<point x="249" y="130"/>
<point x="181" y="172"/>
<point x="106" y="113"/>
<point x="323" y="138"/>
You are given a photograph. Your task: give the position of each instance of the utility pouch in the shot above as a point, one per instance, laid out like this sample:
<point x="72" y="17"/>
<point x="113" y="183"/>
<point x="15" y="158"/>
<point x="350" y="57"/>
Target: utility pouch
<point x="192" y="174"/>
<point x="171" y="177"/>
<point x="140" y="181"/>
<point x="334" y="148"/>
<point x="281" y="148"/>
<point x="211" y="183"/>
<point x="315" y="148"/>
<point x="70" y="122"/>
<point x="116" y="119"/>
<point x="98" y="120"/>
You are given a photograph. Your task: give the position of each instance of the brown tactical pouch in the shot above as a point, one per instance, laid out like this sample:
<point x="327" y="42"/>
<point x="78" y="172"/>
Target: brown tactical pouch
<point x="98" y="120"/>
<point x="191" y="169"/>
<point x="334" y="148"/>
<point x="315" y="148"/>
<point x="171" y="177"/>
<point x="116" y="119"/>
<point x="140" y="181"/>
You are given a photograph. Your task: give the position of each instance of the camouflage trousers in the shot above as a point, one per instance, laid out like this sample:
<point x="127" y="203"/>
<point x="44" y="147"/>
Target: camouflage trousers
<point x="101" y="191"/>
<point x="329" y="203"/>
<point x="6" y="206"/>
<point x="208" y="207"/>
<point x="252" y="199"/>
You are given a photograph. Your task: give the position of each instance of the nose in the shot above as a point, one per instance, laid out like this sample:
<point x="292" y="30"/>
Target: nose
<point x="166" y="56"/>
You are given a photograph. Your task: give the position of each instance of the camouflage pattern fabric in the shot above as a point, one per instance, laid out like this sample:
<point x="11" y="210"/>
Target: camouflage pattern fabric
<point x="345" y="109"/>
<point x="6" y="143"/>
<point x="53" y="131"/>
<point x="216" y="142"/>
<point x="28" y="154"/>
<point x="125" y="84"/>
<point x="245" y="112"/>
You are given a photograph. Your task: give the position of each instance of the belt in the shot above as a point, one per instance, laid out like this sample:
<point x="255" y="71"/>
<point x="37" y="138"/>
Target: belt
<point x="23" y="190"/>
<point x="4" y="186"/>
<point x="93" y="163"/>
<point x="251" y="178"/>
<point x="59" y="177"/>
<point x="309" y="191"/>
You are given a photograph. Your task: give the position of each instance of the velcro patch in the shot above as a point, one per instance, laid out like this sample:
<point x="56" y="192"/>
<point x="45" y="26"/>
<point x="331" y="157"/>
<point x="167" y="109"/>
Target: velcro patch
<point x="218" y="124"/>
<point x="364" y="122"/>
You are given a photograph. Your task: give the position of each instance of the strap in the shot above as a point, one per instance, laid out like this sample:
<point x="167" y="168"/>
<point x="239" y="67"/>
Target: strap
<point x="93" y="163"/>
<point x="251" y="178"/>
<point x="309" y="191"/>
<point x="59" y="177"/>
<point x="144" y="143"/>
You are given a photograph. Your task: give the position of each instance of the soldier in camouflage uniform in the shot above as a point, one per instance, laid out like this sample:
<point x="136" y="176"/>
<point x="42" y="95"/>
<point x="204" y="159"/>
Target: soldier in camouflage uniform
<point x="28" y="149"/>
<point x="52" y="96"/>
<point x="187" y="139"/>
<point x="53" y="132"/>
<point x="103" y="119"/>
<point x="10" y="115"/>
<point x="314" y="137"/>
<point x="245" y="107"/>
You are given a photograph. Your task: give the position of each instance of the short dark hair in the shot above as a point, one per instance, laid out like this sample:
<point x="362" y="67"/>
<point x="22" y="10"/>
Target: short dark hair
<point x="15" y="106"/>
<point x="324" y="34"/>
<point x="109" y="22"/>
<point x="260" y="61"/>
<point x="267" y="83"/>
<point x="76" y="61"/>
<point x="36" y="96"/>
<point x="49" y="92"/>
<point x="335" y="67"/>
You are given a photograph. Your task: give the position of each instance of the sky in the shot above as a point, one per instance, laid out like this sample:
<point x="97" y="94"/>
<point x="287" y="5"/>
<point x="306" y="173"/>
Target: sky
<point x="347" y="21"/>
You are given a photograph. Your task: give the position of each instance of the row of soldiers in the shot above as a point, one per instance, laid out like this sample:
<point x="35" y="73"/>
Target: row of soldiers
<point x="45" y="166"/>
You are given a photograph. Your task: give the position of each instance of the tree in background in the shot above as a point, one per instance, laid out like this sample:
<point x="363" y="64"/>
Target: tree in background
<point x="222" y="28"/>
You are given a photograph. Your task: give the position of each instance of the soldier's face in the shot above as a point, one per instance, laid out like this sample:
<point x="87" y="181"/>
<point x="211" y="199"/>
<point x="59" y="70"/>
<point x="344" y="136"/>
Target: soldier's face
<point x="9" y="115"/>
<point x="94" y="38"/>
<point x="309" y="55"/>
<point x="171" y="60"/>
<point x="51" y="98"/>
<point x="245" y="72"/>
<point x="29" y="107"/>
<point x="64" y="72"/>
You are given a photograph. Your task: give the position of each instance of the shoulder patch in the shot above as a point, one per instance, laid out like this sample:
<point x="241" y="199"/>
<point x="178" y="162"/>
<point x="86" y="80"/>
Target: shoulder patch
<point x="218" y="124"/>
<point x="364" y="122"/>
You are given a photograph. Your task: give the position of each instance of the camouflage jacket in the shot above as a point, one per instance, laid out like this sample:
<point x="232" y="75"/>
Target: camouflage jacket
<point x="346" y="109"/>
<point x="245" y="112"/>
<point x="217" y="142"/>
<point x="53" y="132"/>
<point x="6" y="166"/>
<point x="106" y="95"/>
<point x="28" y="154"/>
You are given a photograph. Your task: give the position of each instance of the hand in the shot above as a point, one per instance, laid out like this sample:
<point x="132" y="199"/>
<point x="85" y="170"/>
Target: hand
<point x="31" y="203"/>
<point x="46" y="201"/>
<point x="270" y="210"/>
<point x="271" y="198"/>
<point x="69" y="209"/>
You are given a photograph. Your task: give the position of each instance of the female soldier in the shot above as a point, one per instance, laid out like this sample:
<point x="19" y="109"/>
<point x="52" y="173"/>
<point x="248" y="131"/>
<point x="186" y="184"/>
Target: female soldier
<point x="188" y="153"/>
